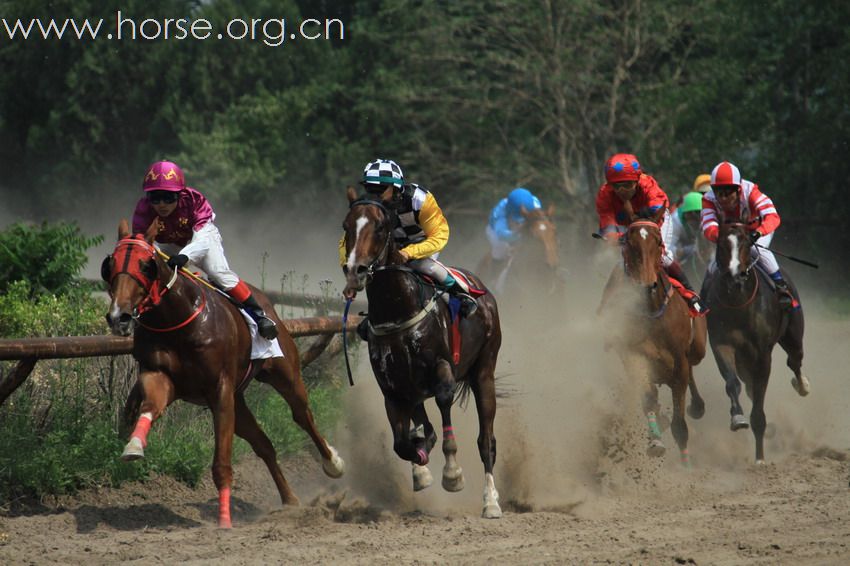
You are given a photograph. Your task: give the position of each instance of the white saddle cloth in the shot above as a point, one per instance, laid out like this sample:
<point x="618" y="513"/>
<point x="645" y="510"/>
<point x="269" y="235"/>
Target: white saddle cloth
<point x="261" y="348"/>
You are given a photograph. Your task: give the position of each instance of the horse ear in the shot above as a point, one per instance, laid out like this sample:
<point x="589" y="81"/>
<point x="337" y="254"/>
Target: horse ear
<point x="351" y="193"/>
<point x="152" y="231"/>
<point x="523" y="211"/>
<point x="387" y="195"/>
<point x="123" y="229"/>
<point x="550" y="211"/>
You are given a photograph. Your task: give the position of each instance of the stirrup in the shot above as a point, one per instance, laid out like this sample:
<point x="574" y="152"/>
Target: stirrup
<point x="696" y="306"/>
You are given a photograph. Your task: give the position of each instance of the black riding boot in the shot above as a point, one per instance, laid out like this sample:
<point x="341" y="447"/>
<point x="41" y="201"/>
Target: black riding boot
<point x="266" y="326"/>
<point x="468" y="303"/>
<point x="675" y="270"/>
<point x="786" y="299"/>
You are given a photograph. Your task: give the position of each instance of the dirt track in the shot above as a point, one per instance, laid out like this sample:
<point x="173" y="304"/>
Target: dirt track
<point x="574" y="482"/>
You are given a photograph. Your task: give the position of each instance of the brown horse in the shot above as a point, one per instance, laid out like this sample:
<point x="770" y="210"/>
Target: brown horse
<point x="193" y="344"/>
<point x="410" y="348"/>
<point x="533" y="269"/>
<point x="745" y="323"/>
<point x="655" y="336"/>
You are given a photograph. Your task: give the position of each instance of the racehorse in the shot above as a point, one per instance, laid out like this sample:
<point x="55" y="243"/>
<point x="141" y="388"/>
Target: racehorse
<point x="412" y="348"/>
<point x="193" y="344"/>
<point x="745" y="321"/>
<point x="655" y="336"/>
<point x="533" y="268"/>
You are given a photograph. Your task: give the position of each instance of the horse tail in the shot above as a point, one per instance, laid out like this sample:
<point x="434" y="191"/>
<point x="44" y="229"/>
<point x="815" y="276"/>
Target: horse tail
<point x="464" y="388"/>
<point x="309" y="355"/>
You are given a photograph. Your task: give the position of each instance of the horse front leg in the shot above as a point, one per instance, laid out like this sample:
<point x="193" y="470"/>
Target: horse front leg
<point x="405" y="441"/>
<point x="157" y="393"/>
<point x="761" y="376"/>
<point x="423" y="436"/>
<point x="679" y="427"/>
<point x="656" y="447"/>
<point x="724" y="355"/>
<point x="444" y="396"/>
<point x="224" y="416"/>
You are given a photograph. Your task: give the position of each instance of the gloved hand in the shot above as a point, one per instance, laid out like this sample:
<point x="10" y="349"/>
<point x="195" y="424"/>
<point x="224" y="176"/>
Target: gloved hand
<point x="755" y="235"/>
<point x="177" y="261"/>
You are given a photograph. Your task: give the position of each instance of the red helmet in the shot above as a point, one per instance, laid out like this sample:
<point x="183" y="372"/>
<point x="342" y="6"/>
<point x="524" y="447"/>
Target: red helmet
<point x="622" y="167"/>
<point x="164" y="176"/>
<point x="725" y="174"/>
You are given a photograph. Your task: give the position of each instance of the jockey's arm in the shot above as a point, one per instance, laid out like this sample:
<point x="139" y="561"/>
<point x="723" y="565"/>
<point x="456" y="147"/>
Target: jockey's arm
<point x="436" y="230"/>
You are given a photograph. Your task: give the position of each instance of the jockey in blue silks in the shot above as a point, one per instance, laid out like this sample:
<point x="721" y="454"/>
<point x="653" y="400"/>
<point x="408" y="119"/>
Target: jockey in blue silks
<point x="504" y="229"/>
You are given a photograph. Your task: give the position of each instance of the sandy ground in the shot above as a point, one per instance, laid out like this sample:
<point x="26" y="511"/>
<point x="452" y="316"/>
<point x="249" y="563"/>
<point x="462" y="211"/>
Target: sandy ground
<point x="575" y="484"/>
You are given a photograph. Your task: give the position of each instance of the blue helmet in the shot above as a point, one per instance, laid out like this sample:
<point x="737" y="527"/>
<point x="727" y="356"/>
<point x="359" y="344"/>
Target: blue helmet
<point x="521" y="198"/>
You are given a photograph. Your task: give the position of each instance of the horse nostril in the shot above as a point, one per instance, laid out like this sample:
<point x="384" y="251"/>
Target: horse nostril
<point x="125" y="318"/>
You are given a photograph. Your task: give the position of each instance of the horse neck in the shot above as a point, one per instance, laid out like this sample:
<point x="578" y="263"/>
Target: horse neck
<point x="728" y="290"/>
<point x="177" y="304"/>
<point x="394" y="295"/>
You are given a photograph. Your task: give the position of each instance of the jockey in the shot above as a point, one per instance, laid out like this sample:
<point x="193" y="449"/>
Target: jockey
<point x="187" y="233"/>
<point x="628" y="194"/>
<point x="422" y="231"/>
<point x="739" y="198"/>
<point x="702" y="184"/>
<point x="504" y="228"/>
<point x="685" y="228"/>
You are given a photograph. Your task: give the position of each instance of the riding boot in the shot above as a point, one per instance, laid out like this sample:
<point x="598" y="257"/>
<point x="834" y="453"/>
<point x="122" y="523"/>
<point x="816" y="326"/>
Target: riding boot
<point x="694" y="303"/>
<point x="266" y="326"/>
<point x="468" y="304"/>
<point x="786" y="299"/>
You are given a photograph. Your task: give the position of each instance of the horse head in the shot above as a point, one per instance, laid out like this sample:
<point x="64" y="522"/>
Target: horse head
<point x="539" y="226"/>
<point x="368" y="236"/>
<point x="133" y="272"/>
<point x="733" y="250"/>
<point x="642" y="252"/>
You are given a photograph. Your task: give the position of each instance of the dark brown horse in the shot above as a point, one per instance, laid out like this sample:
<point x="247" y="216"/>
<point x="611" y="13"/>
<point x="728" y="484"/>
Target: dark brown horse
<point x="654" y="335"/>
<point x="744" y="324"/>
<point x="193" y="344"/>
<point x="410" y="348"/>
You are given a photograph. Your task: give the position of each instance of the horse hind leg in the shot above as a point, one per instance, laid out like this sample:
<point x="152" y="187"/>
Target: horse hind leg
<point x="724" y="356"/>
<point x="444" y="396"/>
<point x="483" y="386"/>
<point x="679" y="427"/>
<point x="285" y="376"/>
<point x="792" y="342"/>
<point x="248" y="428"/>
<point x="156" y="392"/>
<point x="757" y="416"/>
<point x="696" y="408"/>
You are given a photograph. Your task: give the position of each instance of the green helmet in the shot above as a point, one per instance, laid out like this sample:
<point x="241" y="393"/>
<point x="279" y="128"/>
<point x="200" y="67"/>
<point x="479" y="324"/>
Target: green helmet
<point x="691" y="203"/>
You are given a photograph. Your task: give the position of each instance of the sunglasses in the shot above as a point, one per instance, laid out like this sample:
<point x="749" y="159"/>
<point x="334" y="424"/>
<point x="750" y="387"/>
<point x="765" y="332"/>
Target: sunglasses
<point x="162" y="197"/>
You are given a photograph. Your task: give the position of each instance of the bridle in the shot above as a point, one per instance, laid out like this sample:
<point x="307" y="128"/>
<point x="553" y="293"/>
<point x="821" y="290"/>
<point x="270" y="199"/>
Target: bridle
<point x="379" y="263"/>
<point x="133" y="252"/>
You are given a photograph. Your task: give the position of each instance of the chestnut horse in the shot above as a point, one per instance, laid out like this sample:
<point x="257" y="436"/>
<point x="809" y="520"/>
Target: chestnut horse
<point x="193" y="344"/>
<point x="535" y="260"/>
<point x="745" y="321"/>
<point x="655" y="336"/>
<point x="410" y="348"/>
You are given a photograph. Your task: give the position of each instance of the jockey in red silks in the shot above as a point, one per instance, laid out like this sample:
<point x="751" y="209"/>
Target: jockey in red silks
<point x="187" y="233"/>
<point x="627" y="194"/>
<point x="739" y="198"/>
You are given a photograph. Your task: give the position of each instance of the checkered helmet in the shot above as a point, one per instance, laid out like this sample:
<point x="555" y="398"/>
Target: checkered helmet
<point x="380" y="173"/>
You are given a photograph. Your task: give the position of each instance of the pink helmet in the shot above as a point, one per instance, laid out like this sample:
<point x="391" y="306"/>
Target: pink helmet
<point x="164" y="176"/>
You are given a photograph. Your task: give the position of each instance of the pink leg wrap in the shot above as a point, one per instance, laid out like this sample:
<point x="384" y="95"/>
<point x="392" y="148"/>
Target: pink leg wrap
<point x="448" y="432"/>
<point x="143" y="426"/>
<point x="423" y="457"/>
<point x="224" y="508"/>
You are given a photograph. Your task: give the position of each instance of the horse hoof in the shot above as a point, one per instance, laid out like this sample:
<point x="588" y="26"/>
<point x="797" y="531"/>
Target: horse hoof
<point x="133" y="451"/>
<point x="760" y="462"/>
<point x="739" y="422"/>
<point x="453" y="480"/>
<point x="422" y="477"/>
<point x="335" y="467"/>
<point x="696" y="411"/>
<point x="656" y="448"/>
<point x="801" y="386"/>
<point x="225" y="524"/>
<point x="492" y="511"/>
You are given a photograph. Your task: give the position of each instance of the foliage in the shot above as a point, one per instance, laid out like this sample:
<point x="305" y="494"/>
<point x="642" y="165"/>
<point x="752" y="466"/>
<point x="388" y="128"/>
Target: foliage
<point x="48" y="257"/>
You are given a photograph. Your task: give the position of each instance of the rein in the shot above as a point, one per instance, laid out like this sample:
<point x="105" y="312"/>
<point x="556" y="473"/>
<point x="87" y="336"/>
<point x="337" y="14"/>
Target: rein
<point x="746" y="273"/>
